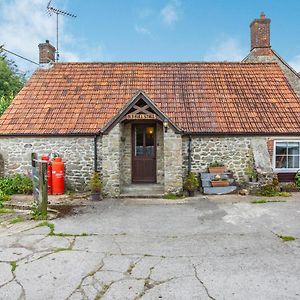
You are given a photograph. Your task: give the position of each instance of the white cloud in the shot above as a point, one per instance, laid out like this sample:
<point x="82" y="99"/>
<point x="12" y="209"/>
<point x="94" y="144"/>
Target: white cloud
<point x="25" y="23"/>
<point x="295" y="63"/>
<point x="142" y="29"/>
<point x="171" y="12"/>
<point x="227" y="49"/>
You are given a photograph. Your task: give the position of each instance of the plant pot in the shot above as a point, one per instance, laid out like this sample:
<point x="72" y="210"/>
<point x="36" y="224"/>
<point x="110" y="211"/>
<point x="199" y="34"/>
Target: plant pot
<point x="218" y="170"/>
<point x="219" y="183"/>
<point x="95" y="197"/>
<point x="191" y="193"/>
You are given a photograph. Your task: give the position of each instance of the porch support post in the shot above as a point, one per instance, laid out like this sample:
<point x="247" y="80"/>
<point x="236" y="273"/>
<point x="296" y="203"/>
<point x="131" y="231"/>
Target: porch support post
<point x="111" y="153"/>
<point x="172" y="162"/>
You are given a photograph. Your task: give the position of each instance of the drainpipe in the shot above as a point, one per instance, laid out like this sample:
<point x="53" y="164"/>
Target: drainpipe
<point x="190" y="154"/>
<point x="95" y="153"/>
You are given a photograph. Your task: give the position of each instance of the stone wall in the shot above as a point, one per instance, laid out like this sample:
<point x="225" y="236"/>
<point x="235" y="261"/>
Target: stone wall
<point x="111" y="154"/>
<point x="77" y="153"/>
<point x="126" y="152"/>
<point x="172" y="162"/>
<point x="234" y="152"/>
<point x="292" y="78"/>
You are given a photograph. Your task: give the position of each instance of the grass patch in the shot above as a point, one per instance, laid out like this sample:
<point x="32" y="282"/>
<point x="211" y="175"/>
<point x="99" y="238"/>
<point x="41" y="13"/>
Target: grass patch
<point x="286" y="238"/>
<point x="262" y="201"/>
<point x="50" y="225"/>
<point x="172" y="196"/>
<point x="6" y="210"/>
<point x="13" y="265"/>
<point x="61" y="234"/>
<point x="70" y="234"/>
<point x="61" y="250"/>
<point x="18" y="219"/>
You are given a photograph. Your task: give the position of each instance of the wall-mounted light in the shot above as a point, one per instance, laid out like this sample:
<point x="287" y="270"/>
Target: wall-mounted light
<point x="166" y="125"/>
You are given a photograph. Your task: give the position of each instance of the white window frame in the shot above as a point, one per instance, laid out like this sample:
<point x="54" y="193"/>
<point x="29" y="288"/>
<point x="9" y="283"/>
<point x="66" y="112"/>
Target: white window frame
<point x="284" y="170"/>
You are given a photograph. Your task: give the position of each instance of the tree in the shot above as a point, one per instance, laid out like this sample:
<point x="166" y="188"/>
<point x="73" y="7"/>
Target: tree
<point x="11" y="81"/>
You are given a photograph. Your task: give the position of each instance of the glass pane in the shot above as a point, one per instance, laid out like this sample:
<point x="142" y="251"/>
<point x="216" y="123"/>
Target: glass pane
<point x="281" y="148"/>
<point x="293" y="162"/>
<point x="293" y="148"/>
<point x="139" y="141"/>
<point x="281" y="161"/>
<point x="149" y="141"/>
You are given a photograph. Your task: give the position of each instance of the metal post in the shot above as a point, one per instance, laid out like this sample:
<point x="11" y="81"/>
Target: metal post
<point x="43" y="186"/>
<point x="57" y="53"/>
<point x="35" y="178"/>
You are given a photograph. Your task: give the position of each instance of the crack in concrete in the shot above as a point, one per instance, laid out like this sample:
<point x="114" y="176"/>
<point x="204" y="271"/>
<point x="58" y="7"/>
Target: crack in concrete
<point x="23" y="295"/>
<point x="202" y="283"/>
<point x="90" y="274"/>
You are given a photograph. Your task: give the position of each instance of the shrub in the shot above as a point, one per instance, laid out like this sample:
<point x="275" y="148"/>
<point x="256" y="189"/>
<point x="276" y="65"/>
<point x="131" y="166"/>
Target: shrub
<point x="3" y="196"/>
<point x="95" y="183"/>
<point x="190" y="182"/>
<point x="216" y="164"/>
<point x="18" y="184"/>
<point x="297" y="179"/>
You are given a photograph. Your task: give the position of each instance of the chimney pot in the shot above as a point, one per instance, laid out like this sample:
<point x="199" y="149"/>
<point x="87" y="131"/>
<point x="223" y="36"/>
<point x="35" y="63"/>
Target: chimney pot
<point x="46" y="53"/>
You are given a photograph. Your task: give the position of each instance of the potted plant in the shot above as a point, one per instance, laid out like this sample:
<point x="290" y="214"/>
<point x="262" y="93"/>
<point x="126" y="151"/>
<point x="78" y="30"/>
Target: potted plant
<point x="190" y="184"/>
<point x="216" y="167"/>
<point x="95" y="186"/>
<point x="218" y="181"/>
<point x="251" y="173"/>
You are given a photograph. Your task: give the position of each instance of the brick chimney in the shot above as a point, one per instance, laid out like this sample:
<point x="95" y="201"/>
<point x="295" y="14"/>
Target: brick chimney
<point x="46" y="53"/>
<point x="260" y="32"/>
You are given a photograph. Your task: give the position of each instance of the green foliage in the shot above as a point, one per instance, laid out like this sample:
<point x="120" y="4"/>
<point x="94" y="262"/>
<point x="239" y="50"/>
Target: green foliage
<point x="190" y="182"/>
<point x="11" y="81"/>
<point x="288" y="187"/>
<point x="3" y="196"/>
<point x="6" y="210"/>
<point x="262" y="201"/>
<point x="95" y="183"/>
<point x="18" y="219"/>
<point x="250" y="171"/>
<point x="49" y="225"/>
<point x="286" y="238"/>
<point x="18" y="184"/>
<point x="216" y="164"/>
<point x="297" y="179"/>
<point x="36" y="214"/>
<point x="172" y="196"/>
<point x="13" y="265"/>
<point x="272" y="190"/>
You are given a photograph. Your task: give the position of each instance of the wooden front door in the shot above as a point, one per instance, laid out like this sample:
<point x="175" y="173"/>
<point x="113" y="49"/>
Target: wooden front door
<point x="144" y="153"/>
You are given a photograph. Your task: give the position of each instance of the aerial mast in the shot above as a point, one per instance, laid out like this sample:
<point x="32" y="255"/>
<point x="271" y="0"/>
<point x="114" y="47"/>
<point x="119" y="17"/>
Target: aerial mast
<point x="52" y="10"/>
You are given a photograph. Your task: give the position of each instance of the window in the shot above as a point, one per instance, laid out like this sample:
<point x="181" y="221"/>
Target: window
<point x="287" y="155"/>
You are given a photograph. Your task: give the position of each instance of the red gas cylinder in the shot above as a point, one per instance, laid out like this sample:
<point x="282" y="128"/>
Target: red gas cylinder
<point x="58" y="178"/>
<point x="49" y="173"/>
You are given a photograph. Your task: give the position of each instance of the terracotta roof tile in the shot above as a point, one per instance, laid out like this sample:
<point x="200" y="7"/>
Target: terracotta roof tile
<point x="81" y="98"/>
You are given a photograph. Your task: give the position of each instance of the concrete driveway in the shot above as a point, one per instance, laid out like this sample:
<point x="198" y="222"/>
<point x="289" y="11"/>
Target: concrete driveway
<point x="205" y="248"/>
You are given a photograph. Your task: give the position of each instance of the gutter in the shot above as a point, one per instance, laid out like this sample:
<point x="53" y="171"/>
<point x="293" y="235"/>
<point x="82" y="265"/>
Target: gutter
<point x="96" y="153"/>
<point x="190" y="154"/>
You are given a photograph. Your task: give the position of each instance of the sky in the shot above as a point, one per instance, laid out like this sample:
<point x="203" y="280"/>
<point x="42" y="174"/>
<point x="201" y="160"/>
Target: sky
<point x="148" y="30"/>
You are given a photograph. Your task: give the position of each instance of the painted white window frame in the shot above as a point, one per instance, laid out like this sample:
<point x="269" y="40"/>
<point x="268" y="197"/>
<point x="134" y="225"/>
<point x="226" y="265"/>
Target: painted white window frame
<point x="284" y="170"/>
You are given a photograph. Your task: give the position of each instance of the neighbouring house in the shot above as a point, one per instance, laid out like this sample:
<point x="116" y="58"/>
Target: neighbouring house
<point x="152" y="122"/>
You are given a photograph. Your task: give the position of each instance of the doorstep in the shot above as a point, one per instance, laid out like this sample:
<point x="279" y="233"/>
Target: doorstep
<point x="142" y="190"/>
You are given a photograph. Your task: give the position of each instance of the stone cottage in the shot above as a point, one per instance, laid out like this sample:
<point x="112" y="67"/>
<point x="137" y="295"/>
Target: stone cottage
<point x="151" y="122"/>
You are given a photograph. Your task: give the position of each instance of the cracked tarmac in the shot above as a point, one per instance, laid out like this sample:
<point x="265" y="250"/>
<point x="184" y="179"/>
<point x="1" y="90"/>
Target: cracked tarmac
<point x="204" y="248"/>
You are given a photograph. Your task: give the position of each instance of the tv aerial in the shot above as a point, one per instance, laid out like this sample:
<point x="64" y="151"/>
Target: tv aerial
<point x="52" y="10"/>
